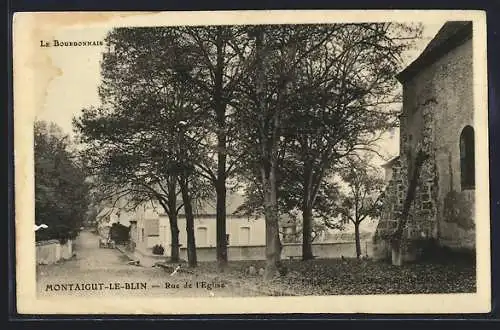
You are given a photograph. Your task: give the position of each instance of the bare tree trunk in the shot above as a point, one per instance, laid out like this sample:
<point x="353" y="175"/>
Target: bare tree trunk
<point x="357" y="239"/>
<point x="188" y="210"/>
<point x="220" y="185"/>
<point x="174" y="235"/>
<point x="221" y="220"/>
<point x="307" y="215"/>
<point x="172" y="217"/>
<point x="273" y="244"/>
<point x="268" y="164"/>
<point x="307" y="233"/>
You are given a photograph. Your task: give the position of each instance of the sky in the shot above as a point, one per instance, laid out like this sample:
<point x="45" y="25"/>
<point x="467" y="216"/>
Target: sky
<point x="76" y="87"/>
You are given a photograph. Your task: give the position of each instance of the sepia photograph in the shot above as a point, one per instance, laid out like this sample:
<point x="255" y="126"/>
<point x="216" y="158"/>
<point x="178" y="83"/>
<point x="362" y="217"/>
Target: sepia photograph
<point x="247" y="162"/>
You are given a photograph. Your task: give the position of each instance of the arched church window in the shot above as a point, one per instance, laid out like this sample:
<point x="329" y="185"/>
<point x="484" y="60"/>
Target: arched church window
<point x="467" y="159"/>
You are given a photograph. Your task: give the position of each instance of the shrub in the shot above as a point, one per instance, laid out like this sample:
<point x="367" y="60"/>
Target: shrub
<point x="119" y="233"/>
<point x="158" y="249"/>
<point x="60" y="232"/>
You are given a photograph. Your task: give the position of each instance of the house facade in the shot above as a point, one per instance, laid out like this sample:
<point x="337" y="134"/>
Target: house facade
<point x="145" y="227"/>
<point x="152" y="227"/>
<point x="245" y="235"/>
<point x="437" y="119"/>
<point x="116" y="212"/>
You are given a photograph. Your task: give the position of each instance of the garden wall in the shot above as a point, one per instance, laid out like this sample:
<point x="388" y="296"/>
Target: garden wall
<point x="320" y="250"/>
<point x="52" y="251"/>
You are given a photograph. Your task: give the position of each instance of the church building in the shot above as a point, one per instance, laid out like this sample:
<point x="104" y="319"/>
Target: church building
<point x="437" y="120"/>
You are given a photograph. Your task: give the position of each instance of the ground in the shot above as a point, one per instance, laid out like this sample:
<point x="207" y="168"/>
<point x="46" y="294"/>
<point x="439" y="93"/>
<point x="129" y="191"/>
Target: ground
<point x="356" y="277"/>
<point x="105" y="267"/>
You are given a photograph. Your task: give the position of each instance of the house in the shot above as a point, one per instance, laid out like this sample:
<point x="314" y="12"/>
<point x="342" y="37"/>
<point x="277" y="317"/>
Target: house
<point x="245" y="234"/>
<point x="437" y="119"/>
<point x="116" y="212"/>
<point x="152" y="227"/>
<point x="145" y="227"/>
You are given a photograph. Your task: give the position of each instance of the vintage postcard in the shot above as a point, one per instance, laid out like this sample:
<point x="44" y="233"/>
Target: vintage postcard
<point x="251" y="162"/>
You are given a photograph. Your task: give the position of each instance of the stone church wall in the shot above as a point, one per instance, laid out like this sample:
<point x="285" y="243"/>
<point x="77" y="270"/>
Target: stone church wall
<point x="444" y="93"/>
<point x="437" y="106"/>
<point x="455" y="105"/>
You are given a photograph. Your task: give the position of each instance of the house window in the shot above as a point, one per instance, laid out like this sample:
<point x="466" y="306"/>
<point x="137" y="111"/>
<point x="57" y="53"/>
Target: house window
<point x="244" y="235"/>
<point x="202" y="236"/>
<point x="152" y="227"/>
<point x="467" y="159"/>
<point x="227" y="239"/>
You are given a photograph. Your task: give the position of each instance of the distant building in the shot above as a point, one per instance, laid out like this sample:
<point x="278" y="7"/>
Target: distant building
<point x="153" y="227"/>
<point x="145" y="226"/>
<point x="437" y="118"/>
<point x="116" y="212"/>
<point x="246" y="236"/>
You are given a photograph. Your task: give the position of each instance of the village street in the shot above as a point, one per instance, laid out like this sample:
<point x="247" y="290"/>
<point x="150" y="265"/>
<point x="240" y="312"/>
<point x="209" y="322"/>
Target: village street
<point x="98" y="271"/>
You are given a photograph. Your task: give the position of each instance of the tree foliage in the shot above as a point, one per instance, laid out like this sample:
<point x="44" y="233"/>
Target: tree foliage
<point x="144" y="140"/>
<point x="362" y="198"/>
<point x="324" y="93"/>
<point x="61" y="191"/>
<point x="187" y="110"/>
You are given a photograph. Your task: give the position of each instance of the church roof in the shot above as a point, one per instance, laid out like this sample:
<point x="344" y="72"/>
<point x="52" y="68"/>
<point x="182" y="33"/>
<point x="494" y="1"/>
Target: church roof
<point x="450" y="36"/>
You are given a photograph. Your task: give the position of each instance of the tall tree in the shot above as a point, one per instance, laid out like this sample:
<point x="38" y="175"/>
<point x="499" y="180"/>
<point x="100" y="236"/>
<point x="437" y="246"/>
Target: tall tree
<point x="133" y="140"/>
<point x="262" y="106"/>
<point x="343" y="99"/>
<point x="318" y="94"/>
<point x="61" y="190"/>
<point x="124" y="169"/>
<point x="221" y="55"/>
<point x="362" y="198"/>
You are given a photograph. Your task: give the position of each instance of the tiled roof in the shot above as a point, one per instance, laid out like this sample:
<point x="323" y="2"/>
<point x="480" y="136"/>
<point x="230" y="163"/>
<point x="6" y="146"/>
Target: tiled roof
<point x="209" y="207"/>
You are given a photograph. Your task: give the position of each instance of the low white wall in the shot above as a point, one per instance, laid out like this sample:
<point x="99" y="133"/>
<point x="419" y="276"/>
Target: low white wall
<point x="51" y="251"/>
<point x="329" y="250"/>
<point x="320" y="250"/>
